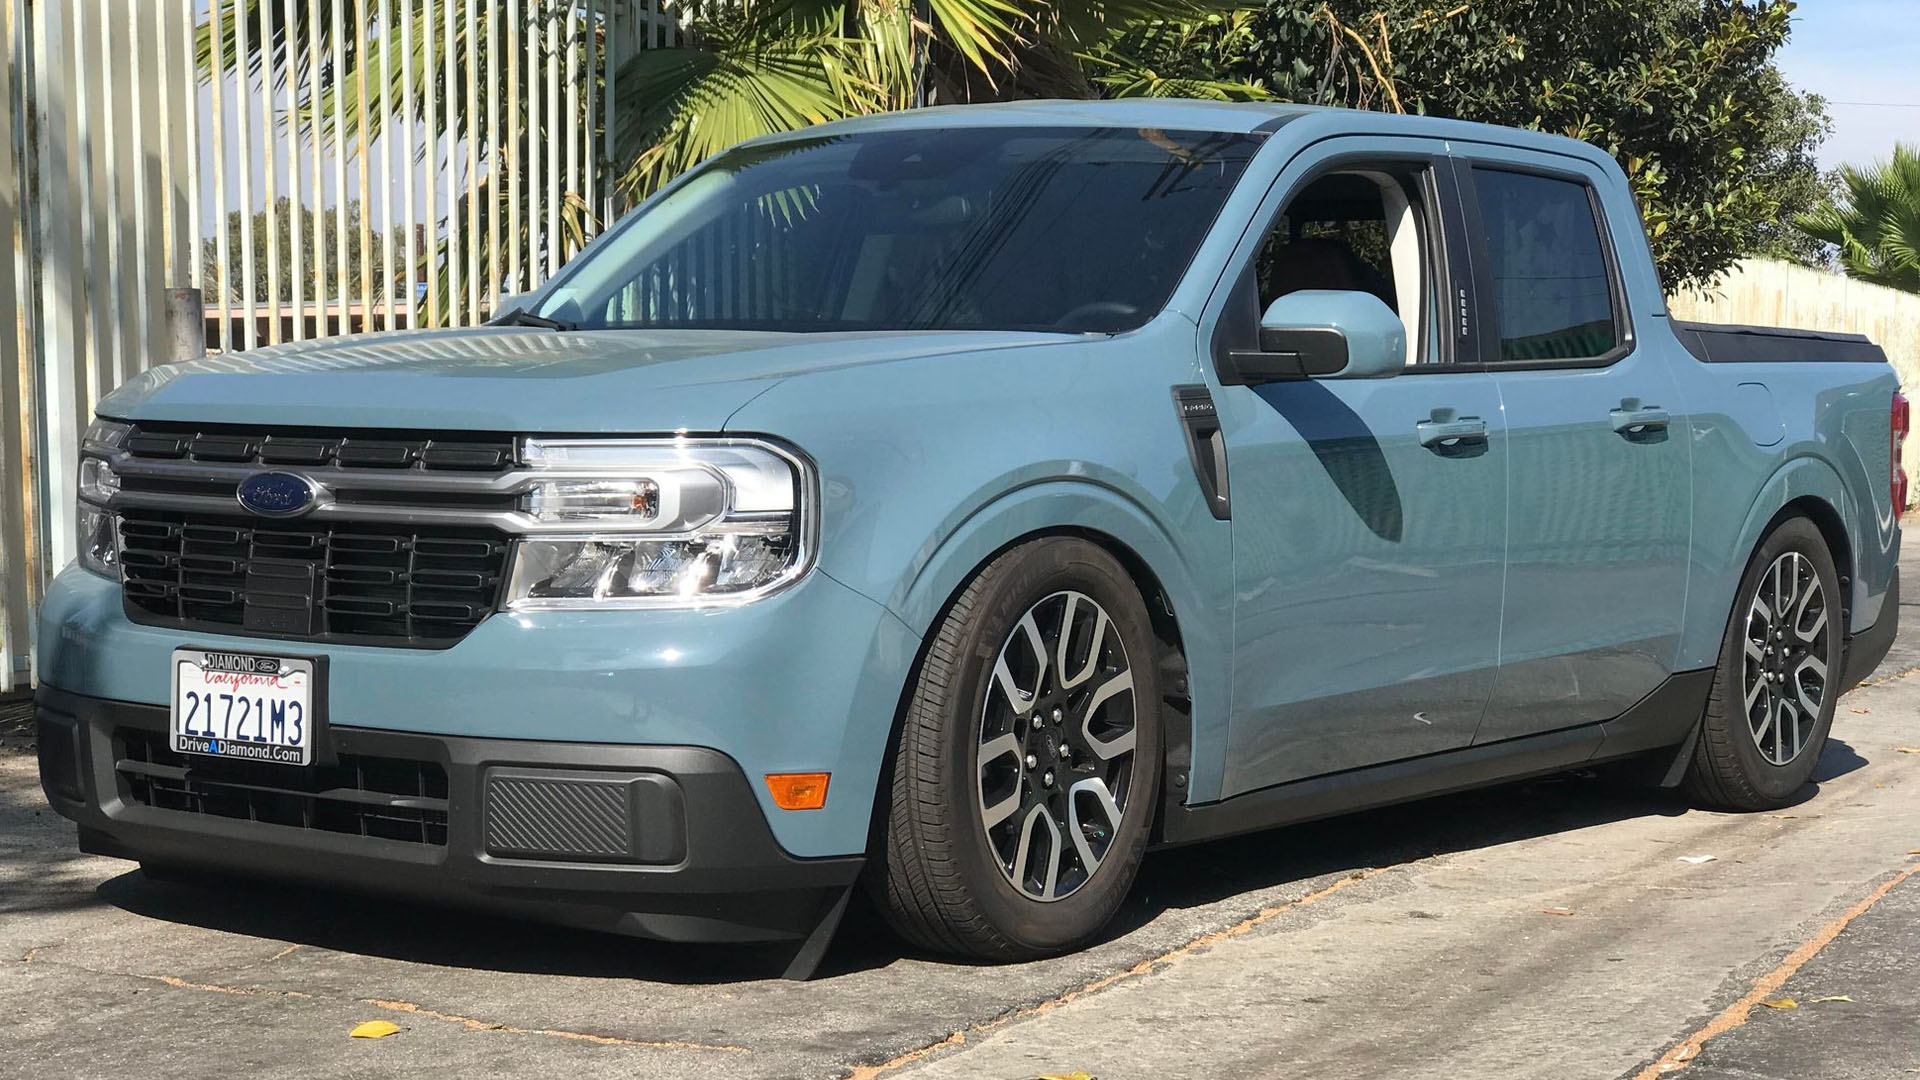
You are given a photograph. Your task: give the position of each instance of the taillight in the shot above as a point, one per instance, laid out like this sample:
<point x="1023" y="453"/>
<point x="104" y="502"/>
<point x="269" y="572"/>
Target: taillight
<point x="1899" y="443"/>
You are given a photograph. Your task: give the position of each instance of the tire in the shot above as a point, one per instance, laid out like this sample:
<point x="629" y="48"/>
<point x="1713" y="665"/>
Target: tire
<point x="946" y="880"/>
<point x="1775" y="686"/>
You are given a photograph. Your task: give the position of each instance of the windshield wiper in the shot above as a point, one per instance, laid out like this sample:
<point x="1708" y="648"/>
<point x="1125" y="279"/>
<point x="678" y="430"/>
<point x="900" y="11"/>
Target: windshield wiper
<point x="528" y="318"/>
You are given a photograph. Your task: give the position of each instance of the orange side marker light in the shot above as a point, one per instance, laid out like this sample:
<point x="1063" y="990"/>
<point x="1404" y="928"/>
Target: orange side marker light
<point x="798" y="791"/>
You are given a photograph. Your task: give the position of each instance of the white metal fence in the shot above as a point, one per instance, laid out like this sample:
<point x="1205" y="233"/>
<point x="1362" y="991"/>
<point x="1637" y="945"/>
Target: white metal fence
<point x="154" y="145"/>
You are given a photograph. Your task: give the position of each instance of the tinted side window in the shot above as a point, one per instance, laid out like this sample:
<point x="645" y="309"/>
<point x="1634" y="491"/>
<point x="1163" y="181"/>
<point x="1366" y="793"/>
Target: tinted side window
<point x="1550" y="275"/>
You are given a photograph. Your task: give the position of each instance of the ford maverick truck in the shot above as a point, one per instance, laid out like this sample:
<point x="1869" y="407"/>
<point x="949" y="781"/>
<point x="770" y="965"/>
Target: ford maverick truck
<point x="958" y="504"/>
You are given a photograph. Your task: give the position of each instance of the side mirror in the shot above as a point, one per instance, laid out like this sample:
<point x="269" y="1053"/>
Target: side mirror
<point x="1322" y="334"/>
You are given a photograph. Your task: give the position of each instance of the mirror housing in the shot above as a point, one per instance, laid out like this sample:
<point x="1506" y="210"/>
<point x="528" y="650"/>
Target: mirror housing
<point x="1322" y="334"/>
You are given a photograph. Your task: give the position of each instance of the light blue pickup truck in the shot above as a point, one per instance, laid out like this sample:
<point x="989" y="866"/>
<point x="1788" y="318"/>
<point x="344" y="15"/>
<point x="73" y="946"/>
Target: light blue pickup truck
<point x="962" y="503"/>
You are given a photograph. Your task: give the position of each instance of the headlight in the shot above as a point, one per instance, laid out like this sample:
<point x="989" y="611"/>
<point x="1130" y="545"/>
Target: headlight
<point x="98" y="536"/>
<point x="661" y="523"/>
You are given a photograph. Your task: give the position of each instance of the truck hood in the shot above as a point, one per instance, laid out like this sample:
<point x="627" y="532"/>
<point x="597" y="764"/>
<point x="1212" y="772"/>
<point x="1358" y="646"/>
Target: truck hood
<point x="518" y="379"/>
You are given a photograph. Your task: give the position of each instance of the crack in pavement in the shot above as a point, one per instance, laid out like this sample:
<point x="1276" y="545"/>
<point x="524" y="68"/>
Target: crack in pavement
<point x="472" y="1024"/>
<point x="211" y="988"/>
<point x="1144" y="967"/>
<point x="33" y="954"/>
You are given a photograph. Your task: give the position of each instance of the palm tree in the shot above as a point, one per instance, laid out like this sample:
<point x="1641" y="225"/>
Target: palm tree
<point x="1875" y="224"/>
<point x="752" y="68"/>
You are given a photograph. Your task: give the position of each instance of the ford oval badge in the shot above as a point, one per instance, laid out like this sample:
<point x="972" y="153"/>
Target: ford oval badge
<point x="278" y="494"/>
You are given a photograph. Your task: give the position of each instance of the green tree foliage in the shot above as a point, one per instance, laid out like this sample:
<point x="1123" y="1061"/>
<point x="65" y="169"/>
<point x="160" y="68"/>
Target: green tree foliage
<point x="1684" y="93"/>
<point x="753" y="67"/>
<point x="235" y="278"/>
<point x="1874" y="221"/>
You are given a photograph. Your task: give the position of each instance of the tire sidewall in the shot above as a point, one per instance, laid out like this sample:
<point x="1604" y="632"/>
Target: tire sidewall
<point x="1040" y="570"/>
<point x="1778" y="783"/>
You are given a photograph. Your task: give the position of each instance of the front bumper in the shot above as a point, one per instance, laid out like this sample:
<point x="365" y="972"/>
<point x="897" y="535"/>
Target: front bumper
<point x="664" y="842"/>
<point x="808" y="680"/>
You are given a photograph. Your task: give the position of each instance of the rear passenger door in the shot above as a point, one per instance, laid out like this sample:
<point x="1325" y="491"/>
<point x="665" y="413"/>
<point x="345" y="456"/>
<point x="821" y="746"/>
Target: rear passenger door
<point x="1598" y="466"/>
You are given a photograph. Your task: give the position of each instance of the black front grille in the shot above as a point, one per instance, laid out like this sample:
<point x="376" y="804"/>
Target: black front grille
<point x="353" y="583"/>
<point x="314" y="448"/>
<point x="386" y="798"/>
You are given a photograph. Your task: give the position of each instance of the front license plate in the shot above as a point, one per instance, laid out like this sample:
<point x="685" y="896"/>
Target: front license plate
<point x="243" y="705"/>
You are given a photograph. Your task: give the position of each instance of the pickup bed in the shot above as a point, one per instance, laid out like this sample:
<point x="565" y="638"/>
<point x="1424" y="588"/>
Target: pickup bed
<point x="964" y="501"/>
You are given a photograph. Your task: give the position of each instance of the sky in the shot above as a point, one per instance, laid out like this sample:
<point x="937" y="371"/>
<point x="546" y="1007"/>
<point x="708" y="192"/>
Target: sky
<point x="1863" y="56"/>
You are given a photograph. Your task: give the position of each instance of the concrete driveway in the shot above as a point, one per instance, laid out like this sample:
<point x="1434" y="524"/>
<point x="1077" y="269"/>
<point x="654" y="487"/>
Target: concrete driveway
<point x="1559" y="929"/>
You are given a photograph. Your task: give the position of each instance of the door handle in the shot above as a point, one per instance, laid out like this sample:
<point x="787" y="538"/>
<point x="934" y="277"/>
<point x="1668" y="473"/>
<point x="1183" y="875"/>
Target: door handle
<point x="1448" y="434"/>
<point x="1639" y="420"/>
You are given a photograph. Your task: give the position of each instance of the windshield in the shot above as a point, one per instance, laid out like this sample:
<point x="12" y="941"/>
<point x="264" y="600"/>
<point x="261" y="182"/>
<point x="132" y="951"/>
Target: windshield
<point x="1072" y="230"/>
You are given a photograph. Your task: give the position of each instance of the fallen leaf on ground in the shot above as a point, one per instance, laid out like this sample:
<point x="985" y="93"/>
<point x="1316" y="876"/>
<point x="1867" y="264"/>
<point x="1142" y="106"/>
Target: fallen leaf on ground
<point x="375" y="1029"/>
<point x="1908" y="749"/>
<point x="1065" y="1076"/>
<point x="1829" y="997"/>
<point x="1860" y="712"/>
<point x="1781" y="1003"/>
<point x="1698" y="859"/>
<point x="1556" y="911"/>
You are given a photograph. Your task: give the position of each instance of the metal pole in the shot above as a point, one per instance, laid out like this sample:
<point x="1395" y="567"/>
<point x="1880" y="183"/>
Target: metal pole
<point x="297" y="205"/>
<point x="514" y="29"/>
<point x="272" y="161"/>
<point x="243" y="90"/>
<point x="341" y="274"/>
<point x="186" y="326"/>
<point x="432" y="151"/>
<point x="452" y="127"/>
<point x="361" y="63"/>
<point x="411" y="238"/>
<point x="386" y="167"/>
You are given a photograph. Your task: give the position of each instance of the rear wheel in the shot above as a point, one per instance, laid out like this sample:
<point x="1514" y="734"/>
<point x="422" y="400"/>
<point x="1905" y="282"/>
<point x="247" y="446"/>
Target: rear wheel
<point x="1774" y="690"/>
<point x="1029" y="760"/>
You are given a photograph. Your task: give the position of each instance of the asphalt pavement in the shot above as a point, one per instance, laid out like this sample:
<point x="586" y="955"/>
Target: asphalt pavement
<point x="1566" y="928"/>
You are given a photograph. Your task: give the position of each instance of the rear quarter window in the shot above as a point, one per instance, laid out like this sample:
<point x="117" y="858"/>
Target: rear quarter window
<point x="1552" y="280"/>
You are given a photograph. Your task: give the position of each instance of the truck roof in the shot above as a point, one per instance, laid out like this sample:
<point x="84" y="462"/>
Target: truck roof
<point x="1185" y="114"/>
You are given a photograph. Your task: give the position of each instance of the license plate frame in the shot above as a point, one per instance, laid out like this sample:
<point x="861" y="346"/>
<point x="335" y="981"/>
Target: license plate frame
<point x="248" y="735"/>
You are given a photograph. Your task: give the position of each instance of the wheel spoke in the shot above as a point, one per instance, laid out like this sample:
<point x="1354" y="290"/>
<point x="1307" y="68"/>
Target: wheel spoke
<point x="992" y="751"/>
<point x="1819" y="670"/>
<point x="1754" y="690"/>
<point x="1102" y="797"/>
<point x="1020" y="698"/>
<point x="1786" y="745"/>
<point x="1766" y="724"/>
<point x="1108" y="749"/>
<point x="1806" y="596"/>
<point x="1037" y="818"/>
<point x="1068" y="678"/>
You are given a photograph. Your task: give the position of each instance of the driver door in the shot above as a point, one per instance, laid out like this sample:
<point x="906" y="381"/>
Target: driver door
<point x="1368" y="554"/>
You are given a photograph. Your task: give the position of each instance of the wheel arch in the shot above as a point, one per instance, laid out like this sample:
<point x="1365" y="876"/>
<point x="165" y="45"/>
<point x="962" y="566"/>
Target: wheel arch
<point x="1176" y="599"/>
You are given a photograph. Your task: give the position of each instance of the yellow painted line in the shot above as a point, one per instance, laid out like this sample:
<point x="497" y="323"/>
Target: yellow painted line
<point x="1764" y="987"/>
<point x="472" y="1024"/>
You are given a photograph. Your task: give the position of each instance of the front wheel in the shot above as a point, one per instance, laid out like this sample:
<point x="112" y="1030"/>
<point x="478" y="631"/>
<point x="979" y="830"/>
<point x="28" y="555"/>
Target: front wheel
<point x="1024" y="784"/>
<point x="1774" y="689"/>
